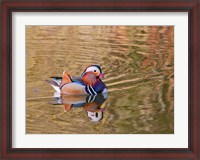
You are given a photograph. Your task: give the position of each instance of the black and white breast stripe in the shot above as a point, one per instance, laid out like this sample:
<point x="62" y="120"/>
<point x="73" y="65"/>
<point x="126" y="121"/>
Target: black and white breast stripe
<point x="90" y="90"/>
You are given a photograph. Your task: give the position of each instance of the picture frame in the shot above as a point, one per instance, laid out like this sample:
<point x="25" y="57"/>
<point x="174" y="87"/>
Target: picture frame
<point x="191" y="7"/>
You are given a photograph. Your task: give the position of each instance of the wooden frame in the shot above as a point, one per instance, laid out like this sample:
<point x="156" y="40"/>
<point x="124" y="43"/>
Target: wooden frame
<point x="190" y="6"/>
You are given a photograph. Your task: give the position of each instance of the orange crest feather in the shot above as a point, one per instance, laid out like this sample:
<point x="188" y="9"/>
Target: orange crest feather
<point x="65" y="78"/>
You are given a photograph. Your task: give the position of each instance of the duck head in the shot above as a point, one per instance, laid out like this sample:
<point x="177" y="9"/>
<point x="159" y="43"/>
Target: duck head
<point x="95" y="70"/>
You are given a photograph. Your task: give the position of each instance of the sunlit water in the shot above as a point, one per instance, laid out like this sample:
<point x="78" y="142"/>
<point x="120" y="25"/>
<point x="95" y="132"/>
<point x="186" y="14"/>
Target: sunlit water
<point x="138" y="62"/>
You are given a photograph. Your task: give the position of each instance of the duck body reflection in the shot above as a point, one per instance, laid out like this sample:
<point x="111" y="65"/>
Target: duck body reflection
<point x="92" y="104"/>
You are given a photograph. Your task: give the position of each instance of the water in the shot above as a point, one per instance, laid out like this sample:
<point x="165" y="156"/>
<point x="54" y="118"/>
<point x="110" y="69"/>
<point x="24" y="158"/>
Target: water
<point x="138" y="62"/>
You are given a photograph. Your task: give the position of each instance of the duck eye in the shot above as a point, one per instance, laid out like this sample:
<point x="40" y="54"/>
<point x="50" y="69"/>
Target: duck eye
<point x="94" y="70"/>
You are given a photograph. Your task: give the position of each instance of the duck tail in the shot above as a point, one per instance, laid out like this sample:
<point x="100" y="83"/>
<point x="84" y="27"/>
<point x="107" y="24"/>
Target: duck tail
<point x="57" y="82"/>
<point x="54" y="84"/>
<point x="65" y="79"/>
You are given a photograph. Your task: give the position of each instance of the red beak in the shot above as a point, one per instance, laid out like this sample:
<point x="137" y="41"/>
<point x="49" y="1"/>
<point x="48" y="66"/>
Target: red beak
<point x="101" y="75"/>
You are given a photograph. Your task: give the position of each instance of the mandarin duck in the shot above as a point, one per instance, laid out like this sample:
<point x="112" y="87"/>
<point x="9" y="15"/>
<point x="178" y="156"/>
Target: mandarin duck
<point x="88" y="83"/>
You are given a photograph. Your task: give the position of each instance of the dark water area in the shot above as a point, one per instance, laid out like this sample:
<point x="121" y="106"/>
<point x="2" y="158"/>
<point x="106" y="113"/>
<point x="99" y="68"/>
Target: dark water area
<point x="138" y="62"/>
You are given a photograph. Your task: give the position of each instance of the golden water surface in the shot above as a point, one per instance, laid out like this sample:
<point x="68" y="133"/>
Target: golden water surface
<point x="138" y="62"/>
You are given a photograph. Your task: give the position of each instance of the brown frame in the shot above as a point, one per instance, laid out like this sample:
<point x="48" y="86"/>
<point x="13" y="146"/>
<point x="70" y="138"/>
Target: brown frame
<point x="190" y="6"/>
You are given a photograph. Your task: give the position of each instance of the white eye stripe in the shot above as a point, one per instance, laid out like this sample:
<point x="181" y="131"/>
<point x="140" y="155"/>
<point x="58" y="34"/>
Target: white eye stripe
<point x="93" y="68"/>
